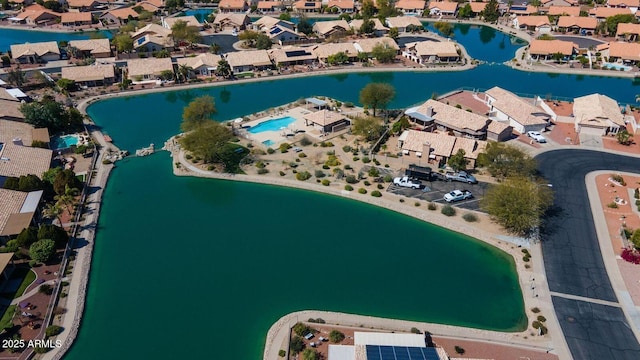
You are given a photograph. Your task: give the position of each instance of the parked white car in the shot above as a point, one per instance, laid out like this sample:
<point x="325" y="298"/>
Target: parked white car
<point x="457" y="195"/>
<point x="536" y="136"/>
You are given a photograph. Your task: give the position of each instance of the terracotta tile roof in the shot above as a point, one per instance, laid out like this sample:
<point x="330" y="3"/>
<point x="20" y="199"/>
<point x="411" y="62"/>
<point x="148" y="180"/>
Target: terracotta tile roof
<point x="625" y="50"/>
<point x="628" y="28"/>
<point x="88" y="73"/>
<point x="515" y="107"/>
<point x="547" y="47"/>
<point x="564" y="10"/>
<point x="41" y="134"/>
<point x="605" y="12"/>
<point x="190" y="20"/>
<point x="265" y="21"/>
<point x="442" y="144"/>
<point x="307" y="5"/>
<point x="96" y="46"/>
<point x="497" y="127"/>
<point x="23" y="160"/>
<point x="232" y="4"/>
<point x="596" y="109"/>
<point x="411" y="4"/>
<point x="403" y="21"/>
<point x="572" y="2"/>
<point x="472" y="148"/>
<point x="81" y="3"/>
<point x="69" y="17"/>
<point x="447" y="6"/>
<point x="39" y="49"/>
<point x="268" y="4"/>
<point x="453" y="117"/>
<point x="10" y="130"/>
<point x="11" y="202"/>
<point x="234" y="19"/>
<point x="624" y="3"/>
<point x="248" y="58"/>
<point x="123" y="13"/>
<point x="325" y="27"/>
<point x="367" y="45"/>
<point x="322" y="51"/>
<point x="578" y="21"/>
<point x="535" y="20"/>
<point x="341" y="4"/>
<point x="155" y="66"/>
<point x="530" y="9"/>
<point x="324" y="117"/>
<point x="152" y="29"/>
<point x="148" y="6"/>
<point x="437" y="48"/>
<point x="602" y="47"/>
<point x="10" y="110"/>
<point x="377" y="25"/>
<point x="157" y="3"/>
<point x="477" y="7"/>
<point x="206" y="59"/>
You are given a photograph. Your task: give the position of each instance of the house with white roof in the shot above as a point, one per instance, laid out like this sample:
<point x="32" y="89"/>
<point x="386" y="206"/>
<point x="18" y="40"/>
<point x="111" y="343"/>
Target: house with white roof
<point x="378" y="28"/>
<point x="242" y="61"/>
<point x="33" y="53"/>
<point x="597" y="114"/>
<point x="404" y="23"/>
<point x="148" y="69"/>
<point x="90" y="75"/>
<point x="328" y="28"/>
<point x="523" y="115"/>
<point x="191" y="20"/>
<point x="425" y="52"/>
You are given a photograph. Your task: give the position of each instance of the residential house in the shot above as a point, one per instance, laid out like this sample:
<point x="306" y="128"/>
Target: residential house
<point x="139" y="70"/>
<point x="76" y="19"/>
<point x="564" y="10"/>
<point x="265" y="23"/>
<point x="327" y="121"/>
<point x="10" y="114"/>
<point x="366" y="45"/>
<point x="523" y="10"/>
<point x="19" y="3"/>
<point x="537" y="23"/>
<point x="379" y="29"/>
<point x="477" y="7"/>
<point x="328" y="28"/>
<point x="97" y="48"/>
<point x="203" y="65"/>
<point x="522" y="115"/>
<point x="230" y="21"/>
<point x="323" y="51"/>
<point x="35" y="15"/>
<point x="549" y="3"/>
<point x="546" y="49"/>
<point x="82" y="5"/>
<point x="242" y="61"/>
<point x="340" y="6"/>
<point x="633" y="4"/>
<point x="152" y="37"/>
<point x="21" y="132"/>
<point x="90" y="76"/>
<point x="577" y="24"/>
<point x="307" y="6"/>
<point x="602" y="13"/>
<point x="438" y="147"/>
<point x="597" y="114"/>
<point x="292" y="55"/>
<point x="267" y="7"/>
<point x="32" y="53"/>
<point x="10" y="111"/>
<point x="284" y="35"/>
<point x="119" y="16"/>
<point x="233" y="6"/>
<point x="411" y="7"/>
<point x="17" y="211"/>
<point x="191" y="20"/>
<point x="499" y="131"/>
<point x="424" y="52"/>
<point x="17" y="160"/>
<point x="148" y="6"/>
<point x="443" y="8"/>
<point x="450" y="119"/>
<point x="624" y="51"/>
<point x="628" y="32"/>
<point x="404" y="23"/>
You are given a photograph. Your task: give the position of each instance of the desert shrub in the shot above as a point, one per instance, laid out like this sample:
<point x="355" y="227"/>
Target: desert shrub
<point x="362" y="191"/>
<point x="305" y="141"/>
<point x="619" y="179"/>
<point x="415" y="330"/>
<point x="326" y="182"/>
<point x="303" y="175"/>
<point x="326" y="144"/>
<point x="348" y="187"/>
<point x="612" y="205"/>
<point x="284" y="147"/>
<point x="270" y="151"/>
<point x="282" y="353"/>
<point x="380" y="186"/>
<point x="351" y="179"/>
<point x="432" y="206"/>
<point x="535" y="310"/>
<point x="459" y="350"/>
<point x="332" y="160"/>
<point x="388" y="178"/>
<point x="53" y="330"/>
<point x="366" y="183"/>
<point x="263" y="171"/>
<point x="260" y="165"/>
<point x="301" y="329"/>
<point x="636" y="193"/>
<point x="416" y="204"/>
<point x="373" y="172"/>
<point x="282" y="173"/>
<point x="470" y="217"/>
<point x="346" y="148"/>
<point x="302" y="155"/>
<point x="45" y="289"/>
<point x="319" y="173"/>
<point x="326" y="167"/>
<point x="366" y="160"/>
<point x="355" y="158"/>
<point x="336" y="336"/>
<point x="542" y="318"/>
<point x="448" y="210"/>
<point x="376" y="193"/>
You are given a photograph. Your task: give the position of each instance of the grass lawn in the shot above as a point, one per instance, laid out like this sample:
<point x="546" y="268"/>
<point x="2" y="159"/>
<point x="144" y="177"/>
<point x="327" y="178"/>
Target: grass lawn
<point x="6" y="320"/>
<point x="27" y="275"/>
<point x="28" y="279"/>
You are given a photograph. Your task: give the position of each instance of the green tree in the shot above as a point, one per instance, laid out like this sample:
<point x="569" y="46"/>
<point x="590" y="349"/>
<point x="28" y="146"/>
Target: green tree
<point x="208" y="142"/>
<point x="286" y="16"/>
<point x="383" y="53"/>
<point x="635" y="239"/>
<point x="400" y="125"/>
<point x="224" y="69"/>
<point x="517" y="204"/>
<point x="458" y="161"/>
<point x="377" y="95"/>
<point x="123" y="43"/>
<point x="304" y="26"/>
<point x="27" y="237"/>
<point x="181" y="31"/>
<point x="611" y="23"/>
<point x="172" y="5"/>
<point x="465" y="12"/>
<point x="11" y="183"/>
<point x="67" y="199"/>
<point x="263" y="42"/>
<point x="370" y="128"/>
<point x="623" y="137"/>
<point x="557" y="57"/>
<point x="46" y="113"/>
<point x="30" y="182"/>
<point x="385" y="9"/>
<point x="66" y="179"/>
<point x="393" y="33"/>
<point x="16" y="77"/>
<point x="296" y="345"/>
<point x="337" y="59"/>
<point x="310" y="354"/>
<point x="504" y="160"/>
<point x="55" y="233"/>
<point x="184" y="72"/>
<point x="66" y="84"/>
<point x="214" y="48"/>
<point x="301" y="329"/>
<point x="162" y="54"/>
<point x="198" y="113"/>
<point x="445" y="28"/>
<point x="368" y="9"/>
<point x="249" y="37"/>
<point x="491" y="12"/>
<point x="336" y="336"/>
<point x="53" y="5"/>
<point x="42" y="250"/>
<point x="367" y="27"/>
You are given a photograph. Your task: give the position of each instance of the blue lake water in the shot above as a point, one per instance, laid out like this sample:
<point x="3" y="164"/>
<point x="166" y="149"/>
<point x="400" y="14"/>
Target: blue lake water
<point x="10" y="37"/>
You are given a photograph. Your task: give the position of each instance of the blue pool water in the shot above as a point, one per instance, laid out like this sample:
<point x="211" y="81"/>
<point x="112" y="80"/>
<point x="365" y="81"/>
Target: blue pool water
<point x="266" y="143"/>
<point x="200" y="14"/>
<point x="64" y="142"/>
<point x="272" y="125"/>
<point x="617" y="67"/>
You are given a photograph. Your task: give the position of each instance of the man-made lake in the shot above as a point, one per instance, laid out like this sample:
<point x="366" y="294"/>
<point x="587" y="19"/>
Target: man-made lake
<point x="10" y="37"/>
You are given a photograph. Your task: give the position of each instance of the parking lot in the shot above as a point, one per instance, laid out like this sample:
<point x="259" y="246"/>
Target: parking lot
<point x="434" y="191"/>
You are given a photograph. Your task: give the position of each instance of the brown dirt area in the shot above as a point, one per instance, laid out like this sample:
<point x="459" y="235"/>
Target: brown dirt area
<point x="563" y="134"/>
<point x="467" y="101"/>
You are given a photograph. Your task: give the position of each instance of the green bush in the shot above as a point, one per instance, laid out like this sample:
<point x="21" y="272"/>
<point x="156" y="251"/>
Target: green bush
<point x="376" y="193"/>
<point x="612" y="205"/>
<point x="106" y="162"/>
<point x="263" y="171"/>
<point x="432" y="206"/>
<point x="282" y="173"/>
<point x="53" y="330"/>
<point x="347" y="167"/>
<point x="284" y="147"/>
<point x="304" y="175"/>
<point x="619" y="179"/>
<point x="282" y="353"/>
<point x="301" y="329"/>
<point x="388" y="178"/>
<point x="526" y="258"/>
<point x="366" y="183"/>
<point x="305" y="141"/>
<point x="260" y="165"/>
<point x="296" y="345"/>
<point x="319" y="174"/>
<point x="346" y="148"/>
<point x="535" y="310"/>
<point x="33" y="263"/>
<point x="541" y="318"/>
<point x="366" y="160"/>
<point x="351" y="179"/>
<point x="348" y="187"/>
<point x="270" y="151"/>
<point x="470" y="217"/>
<point x="336" y="336"/>
<point x="636" y="193"/>
<point x="448" y="210"/>
<point x="415" y="330"/>
<point x="302" y="155"/>
<point x="416" y="204"/>
<point x="380" y="186"/>
<point x="362" y="191"/>
<point x="373" y="172"/>
<point x="326" y="182"/>
<point x="326" y="144"/>
<point x="459" y="350"/>
<point x="536" y="324"/>
<point x="355" y="158"/>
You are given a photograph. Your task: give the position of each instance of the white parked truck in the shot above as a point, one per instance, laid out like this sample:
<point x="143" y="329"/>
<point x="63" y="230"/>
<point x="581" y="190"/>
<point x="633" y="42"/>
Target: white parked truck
<point x="457" y="195"/>
<point x="461" y="176"/>
<point x="405" y="181"/>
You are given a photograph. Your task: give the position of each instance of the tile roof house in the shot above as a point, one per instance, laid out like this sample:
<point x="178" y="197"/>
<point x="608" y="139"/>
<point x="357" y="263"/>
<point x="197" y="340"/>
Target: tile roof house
<point x="538" y="23"/>
<point x="267" y="22"/>
<point x="119" y="16"/>
<point x="560" y="2"/>
<point x="98" y="48"/>
<point x="292" y="55"/>
<point x="628" y="32"/>
<point x="379" y="29"/>
<point x="92" y="75"/>
<point x="36" y="15"/>
<point x="444" y="8"/>
<point x="307" y="6"/>
<point x="411" y="6"/>
<point x="402" y="23"/>
<point x="449" y="118"/>
<point x="625" y="51"/>
<point x="232" y="21"/>
<point x="367" y="45"/>
<point x="438" y="147"/>
<point x="546" y="49"/>
<point x="499" y="131"/>
<point x="204" y="64"/>
<point x="18" y="160"/>
<point x="564" y="10"/>
<point x="10" y="110"/>
<point x="32" y="53"/>
<point x="523" y="11"/>
<point x="328" y="28"/>
<point x="424" y="52"/>
<point x="602" y="13"/>
<point x="623" y="3"/>
<point x="477" y="7"/>
<point x="577" y="24"/>
<point x="12" y="203"/>
<point x="597" y="114"/>
<point x="521" y="114"/>
<point x="323" y="51"/>
<point x="152" y="37"/>
<point x="76" y="18"/>
<point x="191" y="20"/>
<point x="232" y="6"/>
<point x="284" y="35"/>
<point x="10" y="130"/>
<point x="148" y="69"/>
<point x="327" y="121"/>
<point x="269" y="6"/>
<point x="341" y="6"/>
<point x="241" y="61"/>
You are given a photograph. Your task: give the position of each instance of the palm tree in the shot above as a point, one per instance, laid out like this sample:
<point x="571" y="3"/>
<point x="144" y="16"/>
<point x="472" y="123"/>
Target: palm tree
<point x="214" y="48"/>
<point x="66" y="200"/>
<point x="224" y="69"/>
<point x="16" y="77"/>
<point x="53" y="211"/>
<point x="184" y="72"/>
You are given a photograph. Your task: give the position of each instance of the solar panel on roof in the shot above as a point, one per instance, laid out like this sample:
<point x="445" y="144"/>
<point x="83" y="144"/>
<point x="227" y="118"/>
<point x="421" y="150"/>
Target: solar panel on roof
<point x="376" y="352"/>
<point x="309" y="4"/>
<point x="296" y="53"/>
<point x="275" y="30"/>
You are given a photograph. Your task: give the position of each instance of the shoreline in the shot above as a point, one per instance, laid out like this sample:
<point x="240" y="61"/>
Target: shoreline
<point x="51" y="30"/>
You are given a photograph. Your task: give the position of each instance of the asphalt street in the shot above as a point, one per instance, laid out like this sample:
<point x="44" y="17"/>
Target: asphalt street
<point x="434" y="191"/>
<point x="573" y="260"/>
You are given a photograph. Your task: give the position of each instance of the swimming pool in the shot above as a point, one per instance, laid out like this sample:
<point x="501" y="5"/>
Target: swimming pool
<point x="64" y="142"/>
<point x="272" y="125"/>
<point x="617" y="66"/>
<point x="266" y="143"/>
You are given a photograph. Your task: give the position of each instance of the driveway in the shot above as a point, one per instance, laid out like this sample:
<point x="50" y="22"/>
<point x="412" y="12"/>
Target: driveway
<point x="584" y="300"/>
<point x="433" y="191"/>
<point x="582" y="41"/>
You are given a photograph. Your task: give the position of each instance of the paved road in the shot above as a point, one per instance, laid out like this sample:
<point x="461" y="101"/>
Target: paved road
<point x="582" y="41"/>
<point x="435" y="190"/>
<point x="573" y="260"/>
